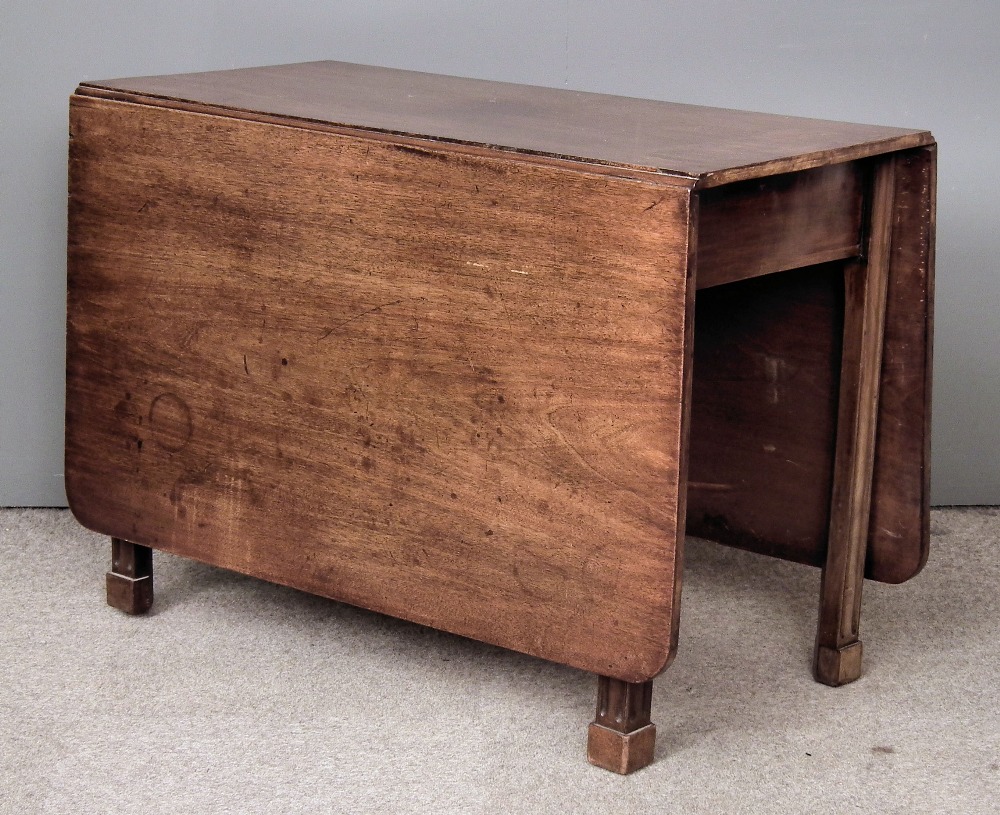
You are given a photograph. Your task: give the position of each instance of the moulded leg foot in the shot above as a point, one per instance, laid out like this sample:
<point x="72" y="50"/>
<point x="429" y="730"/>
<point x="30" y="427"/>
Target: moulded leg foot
<point x="621" y="737"/>
<point x="620" y="752"/>
<point x="130" y="581"/>
<point x="838" y="666"/>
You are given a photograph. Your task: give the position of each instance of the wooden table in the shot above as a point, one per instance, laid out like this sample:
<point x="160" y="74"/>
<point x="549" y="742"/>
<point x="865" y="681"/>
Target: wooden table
<point x="476" y="355"/>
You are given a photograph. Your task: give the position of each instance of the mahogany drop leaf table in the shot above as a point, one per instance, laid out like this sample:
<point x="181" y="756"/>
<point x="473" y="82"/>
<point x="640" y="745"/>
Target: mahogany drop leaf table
<point x="477" y="355"/>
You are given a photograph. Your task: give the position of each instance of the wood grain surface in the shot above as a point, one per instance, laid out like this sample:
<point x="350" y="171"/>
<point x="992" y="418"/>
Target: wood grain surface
<point x="444" y="386"/>
<point x="710" y="145"/>
<point x="900" y="513"/>
<point x="788" y="221"/>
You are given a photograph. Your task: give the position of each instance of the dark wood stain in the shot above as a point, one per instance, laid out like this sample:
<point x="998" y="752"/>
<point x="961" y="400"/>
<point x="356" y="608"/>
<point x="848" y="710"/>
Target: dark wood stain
<point x="900" y="513"/>
<point x="711" y="145"/>
<point x="764" y="412"/>
<point x="765" y="392"/>
<point x="783" y="222"/>
<point x="476" y="354"/>
<point x="403" y="371"/>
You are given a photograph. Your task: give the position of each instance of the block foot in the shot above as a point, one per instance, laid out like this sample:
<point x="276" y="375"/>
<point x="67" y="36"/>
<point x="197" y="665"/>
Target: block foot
<point x="622" y="753"/>
<point x="838" y="666"/>
<point x="131" y="595"/>
<point x="130" y="581"/>
<point x="621" y="737"/>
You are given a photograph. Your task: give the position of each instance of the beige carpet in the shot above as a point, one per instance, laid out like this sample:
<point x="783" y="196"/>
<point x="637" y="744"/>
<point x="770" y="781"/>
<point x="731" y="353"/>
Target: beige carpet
<point x="236" y="696"/>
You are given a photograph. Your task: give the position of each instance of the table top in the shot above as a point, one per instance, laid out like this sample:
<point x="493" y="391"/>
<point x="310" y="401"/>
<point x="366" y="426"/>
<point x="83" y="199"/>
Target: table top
<point x="709" y="146"/>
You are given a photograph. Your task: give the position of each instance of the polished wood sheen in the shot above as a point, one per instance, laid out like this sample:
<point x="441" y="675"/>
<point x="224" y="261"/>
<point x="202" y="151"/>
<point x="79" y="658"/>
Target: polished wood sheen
<point x="281" y="335"/>
<point x="476" y="355"/>
<point x="700" y="145"/>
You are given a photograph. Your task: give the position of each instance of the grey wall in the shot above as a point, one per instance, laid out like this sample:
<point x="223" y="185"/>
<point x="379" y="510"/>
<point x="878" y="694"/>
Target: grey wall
<point x="916" y="64"/>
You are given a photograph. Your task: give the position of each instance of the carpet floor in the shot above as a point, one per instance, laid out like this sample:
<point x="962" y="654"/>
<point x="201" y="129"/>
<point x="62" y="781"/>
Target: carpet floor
<point x="238" y="696"/>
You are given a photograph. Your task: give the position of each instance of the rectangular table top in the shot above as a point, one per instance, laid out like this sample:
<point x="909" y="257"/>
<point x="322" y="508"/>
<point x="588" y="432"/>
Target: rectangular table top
<point x="706" y="146"/>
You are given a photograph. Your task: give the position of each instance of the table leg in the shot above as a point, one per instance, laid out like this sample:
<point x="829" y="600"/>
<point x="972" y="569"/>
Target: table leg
<point x="838" y="647"/>
<point x="130" y="581"/>
<point x="621" y="737"/>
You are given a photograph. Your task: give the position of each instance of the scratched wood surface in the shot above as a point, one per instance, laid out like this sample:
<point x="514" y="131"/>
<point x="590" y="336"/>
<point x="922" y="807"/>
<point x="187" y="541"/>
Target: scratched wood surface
<point x="443" y="386"/>
<point x="711" y="145"/>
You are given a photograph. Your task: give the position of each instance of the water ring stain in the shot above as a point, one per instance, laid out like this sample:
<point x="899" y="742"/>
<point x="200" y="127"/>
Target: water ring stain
<point x="170" y="422"/>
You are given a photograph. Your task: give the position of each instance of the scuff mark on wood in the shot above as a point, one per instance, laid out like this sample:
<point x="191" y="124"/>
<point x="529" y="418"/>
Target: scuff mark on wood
<point x="365" y="313"/>
<point x="710" y="487"/>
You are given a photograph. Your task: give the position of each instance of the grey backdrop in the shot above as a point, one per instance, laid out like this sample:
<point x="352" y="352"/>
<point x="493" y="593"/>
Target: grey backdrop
<point x="914" y="64"/>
